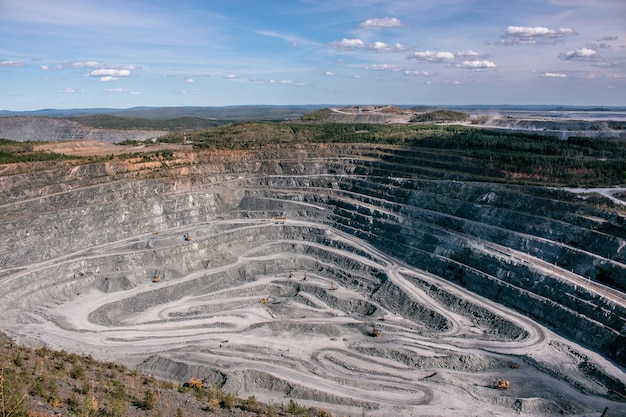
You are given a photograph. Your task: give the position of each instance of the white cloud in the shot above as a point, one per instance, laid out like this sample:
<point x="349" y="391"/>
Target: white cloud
<point x="387" y="22"/>
<point x="524" y="35"/>
<point x="109" y="72"/>
<point x="432" y="56"/>
<point x="291" y="82"/>
<point x="329" y="73"/>
<point x="190" y="81"/>
<point x="477" y="65"/>
<point x="418" y="73"/>
<point x="44" y="67"/>
<point x="121" y="90"/>
<point x="383" y="47"/>
<point x="109" y="78"/>
<point x="68" y="90"/>
<point x="230" y="76"/>
<point x="349" y="43"/>
<point x="584" y="54"/>
<point x="383" y="67"/>
<point x="380" y="46"/>
<point x="470" y="55"/>
<point x="12" y="63"/>
<point x="76" y="64"/>
<point x="553" y="75"/>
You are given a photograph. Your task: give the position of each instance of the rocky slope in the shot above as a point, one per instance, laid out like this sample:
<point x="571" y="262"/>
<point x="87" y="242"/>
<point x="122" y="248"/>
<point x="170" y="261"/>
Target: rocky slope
<point x="53" y="129"/>
<point x="279" y="267"/>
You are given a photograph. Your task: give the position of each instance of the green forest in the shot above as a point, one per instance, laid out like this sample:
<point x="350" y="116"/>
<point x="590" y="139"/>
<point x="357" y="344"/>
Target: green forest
<point x="523" y="158"/>
<point x="505" y="156"/>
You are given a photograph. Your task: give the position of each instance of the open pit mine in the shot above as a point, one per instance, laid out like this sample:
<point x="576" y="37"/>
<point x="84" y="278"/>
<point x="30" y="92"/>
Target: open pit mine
<point x="364" y="279"/>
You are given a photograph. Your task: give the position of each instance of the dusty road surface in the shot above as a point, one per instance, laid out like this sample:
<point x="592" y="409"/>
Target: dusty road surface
<point x="260" y="278"/>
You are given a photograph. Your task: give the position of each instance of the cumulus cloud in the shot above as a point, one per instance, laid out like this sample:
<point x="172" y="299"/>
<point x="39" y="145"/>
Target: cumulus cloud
<point x="380" y="46"/>
<point x="12" y="63"/>
<point x="553" y="75"/>
<point x="230" y="76"/>
<point x="383" y="47"/>
<point x="346" y="43"/>
<point x="384" y="23"/>
<point x="329" y="73"/>
<point x="110" y="73"/>
<point x="44" y="67"/>
<point x="529" y="35"/>
<point x="190" y="81"/>
<point x="432" y="56"/>
<point x="477" y="65"/>
<point x="582" y="54"/>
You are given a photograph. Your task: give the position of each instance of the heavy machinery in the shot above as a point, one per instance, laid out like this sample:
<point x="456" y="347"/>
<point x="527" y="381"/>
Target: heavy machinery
<point x="500" y="383"/>
<point x="156" y="278"/>
<point x="187" y="237"/>
<point x="195" y="383"/>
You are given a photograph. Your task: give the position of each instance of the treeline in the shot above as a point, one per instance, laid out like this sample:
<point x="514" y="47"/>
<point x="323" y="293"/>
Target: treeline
<point x="107" y="121"/>
<point x="440" y="116"/>
<point x="522" y="158"/>
<point x="13" y="152"/>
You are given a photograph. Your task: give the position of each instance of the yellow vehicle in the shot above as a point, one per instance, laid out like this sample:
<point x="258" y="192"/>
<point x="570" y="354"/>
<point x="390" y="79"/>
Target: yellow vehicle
<point x="501" y="383"/>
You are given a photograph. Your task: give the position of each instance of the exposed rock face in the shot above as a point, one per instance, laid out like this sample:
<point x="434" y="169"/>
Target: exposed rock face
<point x="23" y="129"/>
<point x="458" y="278"/>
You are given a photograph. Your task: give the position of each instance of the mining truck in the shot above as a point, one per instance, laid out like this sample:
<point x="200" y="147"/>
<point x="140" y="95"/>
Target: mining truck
<point x="501" y="383"/>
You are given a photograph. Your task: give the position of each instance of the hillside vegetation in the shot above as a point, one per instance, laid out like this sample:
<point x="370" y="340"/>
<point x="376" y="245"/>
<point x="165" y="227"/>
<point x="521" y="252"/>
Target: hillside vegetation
<point x="441" y="116"/>
<point x="107" y="121"/>
<point x="44" y="383"/>
<point x="518" y="157"/>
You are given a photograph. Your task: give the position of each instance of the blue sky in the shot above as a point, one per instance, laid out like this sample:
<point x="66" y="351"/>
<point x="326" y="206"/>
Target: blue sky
<point x="84" y="53"/>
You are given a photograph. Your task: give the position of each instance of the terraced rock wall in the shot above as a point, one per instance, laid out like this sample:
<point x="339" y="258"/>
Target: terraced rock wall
<point x="298" y="257"/>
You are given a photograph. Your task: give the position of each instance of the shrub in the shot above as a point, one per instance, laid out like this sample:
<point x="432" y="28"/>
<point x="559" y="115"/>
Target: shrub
<point x="150" y="400"/>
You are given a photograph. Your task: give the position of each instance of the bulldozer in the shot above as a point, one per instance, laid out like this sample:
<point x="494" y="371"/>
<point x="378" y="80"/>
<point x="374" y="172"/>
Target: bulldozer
<point x="187" y="237"/>
<point x="156" y="277"/>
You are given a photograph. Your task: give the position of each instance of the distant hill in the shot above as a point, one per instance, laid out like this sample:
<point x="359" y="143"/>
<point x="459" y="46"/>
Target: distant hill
<point x="230" y="113"/>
